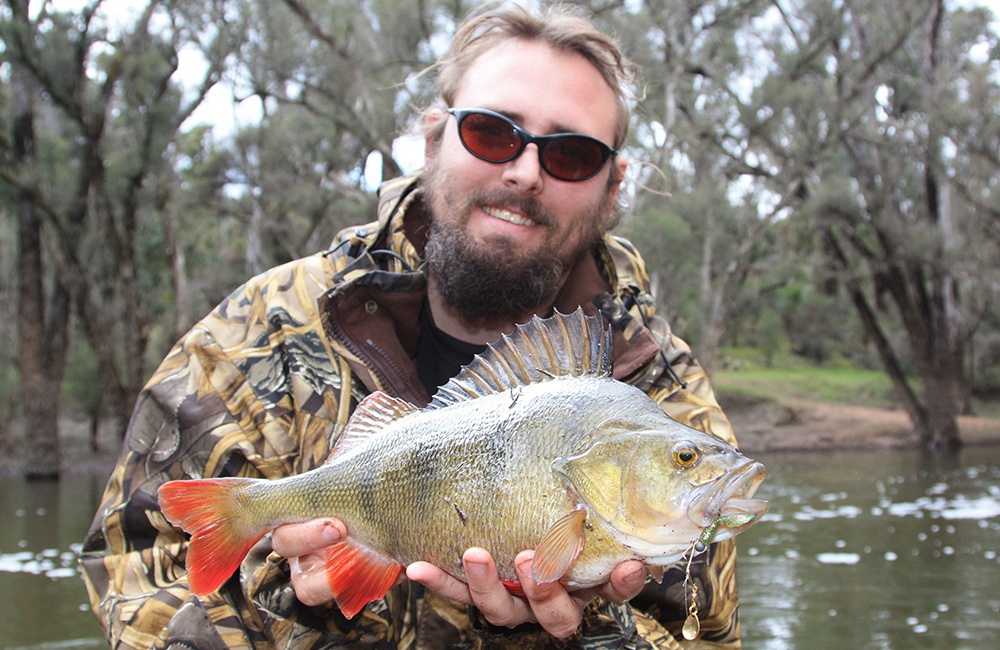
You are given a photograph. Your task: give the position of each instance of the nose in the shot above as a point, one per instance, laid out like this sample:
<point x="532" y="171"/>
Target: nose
<point x="524" y="173"/>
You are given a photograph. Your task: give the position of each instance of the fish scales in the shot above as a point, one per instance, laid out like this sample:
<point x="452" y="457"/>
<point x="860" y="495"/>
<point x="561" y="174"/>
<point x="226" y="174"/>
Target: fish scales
<point x="436" y="492"/>
<point x="533" y="445"/>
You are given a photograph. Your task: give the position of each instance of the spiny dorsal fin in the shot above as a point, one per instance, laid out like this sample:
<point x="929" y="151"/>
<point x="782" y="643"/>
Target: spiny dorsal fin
<point x="373" y="415"/>
<point x="574" y="345"/>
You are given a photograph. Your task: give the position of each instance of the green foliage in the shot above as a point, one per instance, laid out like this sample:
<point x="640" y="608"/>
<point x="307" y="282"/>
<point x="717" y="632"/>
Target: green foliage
<point x="9" y="386"/>
<point x="750" y="149"/>
<point x="770" y="338"/>
<point x="79" y="390"/>
<point x="845" y="385"/>
<point x="986" y="368"/>
<point x="670" y="248"/>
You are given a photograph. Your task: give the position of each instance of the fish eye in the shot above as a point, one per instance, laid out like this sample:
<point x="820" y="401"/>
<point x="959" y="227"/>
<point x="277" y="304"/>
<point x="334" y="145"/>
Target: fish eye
<point x="685" y="454"/>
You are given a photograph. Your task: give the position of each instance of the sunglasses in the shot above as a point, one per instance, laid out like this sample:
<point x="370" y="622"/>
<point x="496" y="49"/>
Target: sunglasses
<point x="489" y="136"/>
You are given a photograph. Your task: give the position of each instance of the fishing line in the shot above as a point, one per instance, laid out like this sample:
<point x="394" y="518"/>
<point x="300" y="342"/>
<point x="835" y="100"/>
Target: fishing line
<point x="692" y="625"/>
<point x="663" y="355"/>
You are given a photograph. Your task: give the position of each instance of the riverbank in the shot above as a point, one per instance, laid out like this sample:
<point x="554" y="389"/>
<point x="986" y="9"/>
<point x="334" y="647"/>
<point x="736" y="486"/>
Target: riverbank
<point x="810" y="426"/>
<point x="760" y="427"/>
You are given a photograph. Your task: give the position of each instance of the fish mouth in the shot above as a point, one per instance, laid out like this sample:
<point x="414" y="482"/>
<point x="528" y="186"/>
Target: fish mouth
<point x="730" y="495"/>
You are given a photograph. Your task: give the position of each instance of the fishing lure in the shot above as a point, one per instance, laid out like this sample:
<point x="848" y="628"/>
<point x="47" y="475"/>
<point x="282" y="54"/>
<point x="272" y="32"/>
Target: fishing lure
<point x="692" y="625"/>
<point x="729" y="521"/>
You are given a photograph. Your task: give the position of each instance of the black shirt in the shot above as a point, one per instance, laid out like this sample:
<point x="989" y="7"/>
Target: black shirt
<point x="440" y="356"/>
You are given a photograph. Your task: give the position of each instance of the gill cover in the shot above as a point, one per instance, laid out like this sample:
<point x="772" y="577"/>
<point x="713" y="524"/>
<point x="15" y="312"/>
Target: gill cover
<point x="641" y="485"/>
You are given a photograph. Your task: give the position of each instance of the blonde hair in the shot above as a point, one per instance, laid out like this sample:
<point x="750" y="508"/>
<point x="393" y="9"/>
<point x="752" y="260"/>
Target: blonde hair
<point x="562" y="27"/>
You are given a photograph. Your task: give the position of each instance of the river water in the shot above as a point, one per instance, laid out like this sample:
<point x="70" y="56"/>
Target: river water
<point x="860" y="550"/>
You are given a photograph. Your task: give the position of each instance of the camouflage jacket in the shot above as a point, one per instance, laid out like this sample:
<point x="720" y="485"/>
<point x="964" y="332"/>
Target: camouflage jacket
<point x="264" y="385"/>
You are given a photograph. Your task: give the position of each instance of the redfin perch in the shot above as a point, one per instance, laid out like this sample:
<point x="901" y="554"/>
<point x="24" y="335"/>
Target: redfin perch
<point x="533" y="445"/>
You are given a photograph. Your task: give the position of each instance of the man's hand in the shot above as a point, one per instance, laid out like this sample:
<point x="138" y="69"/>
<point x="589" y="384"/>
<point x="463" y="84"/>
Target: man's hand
<point x="303" y="545"/>
<point x="558" y="611"/>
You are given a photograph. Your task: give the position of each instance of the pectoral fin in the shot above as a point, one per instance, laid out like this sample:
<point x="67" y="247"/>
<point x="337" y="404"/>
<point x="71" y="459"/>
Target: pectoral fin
<point x="559" y="548"/>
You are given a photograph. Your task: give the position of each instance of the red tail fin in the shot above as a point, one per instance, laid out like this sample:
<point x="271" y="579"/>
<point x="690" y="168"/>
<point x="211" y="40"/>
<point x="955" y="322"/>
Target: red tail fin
<point x="219" y="539"/>
<point x="357" y="575"/>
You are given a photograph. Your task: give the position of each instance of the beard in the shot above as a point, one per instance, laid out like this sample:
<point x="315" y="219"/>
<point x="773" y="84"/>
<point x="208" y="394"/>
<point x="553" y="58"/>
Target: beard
<point x="490" y="283"/>
<point x="489" y="287"/>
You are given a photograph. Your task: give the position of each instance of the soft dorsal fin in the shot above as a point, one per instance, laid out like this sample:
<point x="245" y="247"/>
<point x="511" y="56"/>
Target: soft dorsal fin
<point x="574" y="345"/>
<point x="375" y="412"/>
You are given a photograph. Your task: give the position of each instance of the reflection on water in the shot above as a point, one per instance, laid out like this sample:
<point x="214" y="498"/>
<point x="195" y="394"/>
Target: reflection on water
<point x="45" y="602"/>
<point x="875" y="550"/>
<point x="860" y="550"/>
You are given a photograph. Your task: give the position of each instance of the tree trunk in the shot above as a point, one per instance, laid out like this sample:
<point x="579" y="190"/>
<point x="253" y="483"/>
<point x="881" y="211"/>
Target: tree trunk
<point x="869" y="320"/>
<point x="41" y="336"/>
<point x="95" y="429"/>
<point x="934" y="417"/>
<point x="709" y="302"/>
<point x="943" y="369"/>
<point x="39" y="395"/>
<point x="942" y="403"/>
<point x="177" y="264"/>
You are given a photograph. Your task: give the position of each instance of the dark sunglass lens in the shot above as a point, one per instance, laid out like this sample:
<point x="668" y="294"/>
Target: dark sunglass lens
<point x="490" y="137"/>
<point x="573" y="158"/>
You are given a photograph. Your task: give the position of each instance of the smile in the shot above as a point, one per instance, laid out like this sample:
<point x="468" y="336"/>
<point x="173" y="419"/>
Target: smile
<point x="509" y="217"/>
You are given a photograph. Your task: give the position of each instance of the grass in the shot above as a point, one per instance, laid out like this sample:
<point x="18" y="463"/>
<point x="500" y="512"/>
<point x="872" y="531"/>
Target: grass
<point x="830" y="385"/>
<point x="747" y="379"/>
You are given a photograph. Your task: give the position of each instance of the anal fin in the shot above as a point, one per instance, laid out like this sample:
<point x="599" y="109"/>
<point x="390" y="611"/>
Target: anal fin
<point x="358" y="575"/>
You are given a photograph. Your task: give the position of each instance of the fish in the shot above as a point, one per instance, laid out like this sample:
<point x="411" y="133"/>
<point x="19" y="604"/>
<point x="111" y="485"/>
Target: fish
<point x="533" y="445"/>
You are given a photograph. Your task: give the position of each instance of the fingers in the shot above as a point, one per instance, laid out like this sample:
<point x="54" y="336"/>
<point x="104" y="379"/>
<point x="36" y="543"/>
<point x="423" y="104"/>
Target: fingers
<point x="308" y="578"/>
<point x="553" y="607"/>
<point x="484" y="589"/>
<point x="303" y="545"/>
<point x="559" y="612"/>
<point x="439" y="581"/>
<point x="489" y="594"/>
<point x="627" y="580"/>
<point x="293" y="540"/>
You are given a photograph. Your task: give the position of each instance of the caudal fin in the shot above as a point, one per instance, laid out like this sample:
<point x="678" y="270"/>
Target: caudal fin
<point x="207" y="509"/>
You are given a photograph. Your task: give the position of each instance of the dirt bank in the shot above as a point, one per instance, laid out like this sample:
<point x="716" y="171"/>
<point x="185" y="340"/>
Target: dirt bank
<point x="806" y="426"/>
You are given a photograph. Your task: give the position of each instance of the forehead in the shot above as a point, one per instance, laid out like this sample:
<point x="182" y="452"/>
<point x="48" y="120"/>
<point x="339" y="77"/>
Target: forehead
<point x="546" y="90"/>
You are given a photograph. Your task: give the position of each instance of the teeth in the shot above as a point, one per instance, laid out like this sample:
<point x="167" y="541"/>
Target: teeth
<point x="509" y="217"/>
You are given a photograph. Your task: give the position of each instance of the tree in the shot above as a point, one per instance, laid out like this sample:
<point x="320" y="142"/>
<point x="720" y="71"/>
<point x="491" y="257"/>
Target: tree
<point x="689" y="130"/>
<point x="112" y="110"/>
<point x="877" y="125"/>
<point x="785" y="133"/>
<point x="872" y="120"/>
<point x="42" y="317"/>
<point x="335" y="83"/>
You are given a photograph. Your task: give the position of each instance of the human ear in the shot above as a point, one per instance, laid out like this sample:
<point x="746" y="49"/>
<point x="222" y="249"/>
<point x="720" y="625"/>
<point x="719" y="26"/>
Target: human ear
<point x="433" y="127"/>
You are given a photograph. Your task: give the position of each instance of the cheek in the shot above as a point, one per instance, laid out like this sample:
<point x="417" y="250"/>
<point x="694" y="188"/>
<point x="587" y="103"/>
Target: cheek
<point x="446" y="150"/>
<point x="582" y="217"/>
<point x="455" y="169"/>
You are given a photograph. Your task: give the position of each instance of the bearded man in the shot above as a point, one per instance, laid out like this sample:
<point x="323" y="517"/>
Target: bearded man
<point x="509" y="219"/>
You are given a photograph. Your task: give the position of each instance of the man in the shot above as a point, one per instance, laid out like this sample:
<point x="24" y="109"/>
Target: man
<point x="501" y="225"/>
